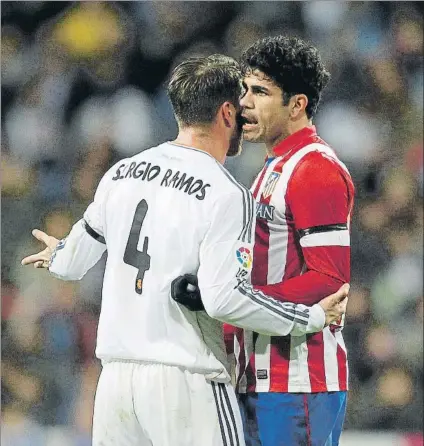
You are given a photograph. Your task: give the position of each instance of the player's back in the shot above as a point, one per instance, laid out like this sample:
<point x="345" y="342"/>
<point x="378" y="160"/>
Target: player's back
<point x="157" y="208"/>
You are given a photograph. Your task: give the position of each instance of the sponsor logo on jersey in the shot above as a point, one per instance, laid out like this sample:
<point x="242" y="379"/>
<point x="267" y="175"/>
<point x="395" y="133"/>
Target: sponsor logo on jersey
<point x="270" y="184"/>
<point x="244" y="257"/>
<point x="262" y="374"/>
<point x="265" y="211"/>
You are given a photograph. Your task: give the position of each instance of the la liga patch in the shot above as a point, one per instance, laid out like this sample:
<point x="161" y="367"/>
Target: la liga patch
<point x="244" y="256"/>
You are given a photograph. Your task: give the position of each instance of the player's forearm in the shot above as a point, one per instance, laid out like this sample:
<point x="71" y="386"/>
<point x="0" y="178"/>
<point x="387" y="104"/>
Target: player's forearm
<point x="327" y="268"/>
<point x="76" y="254"/>
<point x="307" y="289"/>
<point x="245" y="307"/>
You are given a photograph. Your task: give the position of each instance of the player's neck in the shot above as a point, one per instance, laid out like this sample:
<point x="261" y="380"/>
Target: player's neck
<point x="292" y="127"/>
<point x="203" y="139"/>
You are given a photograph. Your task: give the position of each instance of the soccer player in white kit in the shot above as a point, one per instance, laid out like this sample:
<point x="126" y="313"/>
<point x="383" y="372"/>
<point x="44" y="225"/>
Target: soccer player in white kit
<point x="170" y="210"/>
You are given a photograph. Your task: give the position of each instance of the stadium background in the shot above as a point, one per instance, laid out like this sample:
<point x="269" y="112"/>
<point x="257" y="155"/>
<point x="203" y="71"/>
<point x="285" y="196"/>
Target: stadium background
<point x="83" y="85"/>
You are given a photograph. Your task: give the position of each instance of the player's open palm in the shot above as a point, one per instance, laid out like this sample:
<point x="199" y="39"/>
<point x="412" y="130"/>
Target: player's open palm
<point x="42" y="259"/>
<point x="335" y="304"/>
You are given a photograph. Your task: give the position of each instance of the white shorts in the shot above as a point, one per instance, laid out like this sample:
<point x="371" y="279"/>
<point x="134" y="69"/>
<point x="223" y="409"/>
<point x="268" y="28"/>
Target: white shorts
<point x="157" y="405"/>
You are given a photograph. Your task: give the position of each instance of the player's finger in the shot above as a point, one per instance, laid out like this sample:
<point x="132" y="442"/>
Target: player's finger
<point x="34" y="258"/>
<point x="341" y="293"/>
<point x="343" y="305"/>
<point x="39" y="264"/>
<point x="40" y="235"/>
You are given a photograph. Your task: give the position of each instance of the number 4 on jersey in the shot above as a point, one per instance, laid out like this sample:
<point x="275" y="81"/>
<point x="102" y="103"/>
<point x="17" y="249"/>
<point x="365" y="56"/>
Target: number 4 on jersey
<point x="132" y="256"/>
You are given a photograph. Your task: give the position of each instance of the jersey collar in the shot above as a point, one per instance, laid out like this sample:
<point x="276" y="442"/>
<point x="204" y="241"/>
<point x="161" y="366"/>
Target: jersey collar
<point x="298" y="139"/>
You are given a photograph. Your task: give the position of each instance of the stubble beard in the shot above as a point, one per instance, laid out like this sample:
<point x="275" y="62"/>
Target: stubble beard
<point x="252" y="138"/>
<point x="236" y="144"/>
<point x="236" y="141"/>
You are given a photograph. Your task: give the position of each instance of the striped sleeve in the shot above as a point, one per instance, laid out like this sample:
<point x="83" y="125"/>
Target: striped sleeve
<point x="75" y="255"/>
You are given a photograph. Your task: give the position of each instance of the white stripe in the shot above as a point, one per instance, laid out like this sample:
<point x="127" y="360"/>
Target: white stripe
<point x="278" y="235"/>
<point x="263" y="361"/>
<point x="330" y="238"/>
<point x="330" y="359"/>
<point x="298" y="365"/>
<point x="340" y="340"/>
<point x="277" y="251"/>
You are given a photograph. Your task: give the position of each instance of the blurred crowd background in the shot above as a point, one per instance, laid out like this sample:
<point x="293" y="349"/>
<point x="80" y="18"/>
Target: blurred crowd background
<point x="83" y="85"/>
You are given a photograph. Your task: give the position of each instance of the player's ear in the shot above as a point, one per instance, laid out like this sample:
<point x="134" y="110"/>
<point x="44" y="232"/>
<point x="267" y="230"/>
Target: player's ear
<point x="298" y="104"/>
<point x="228" y="113"/>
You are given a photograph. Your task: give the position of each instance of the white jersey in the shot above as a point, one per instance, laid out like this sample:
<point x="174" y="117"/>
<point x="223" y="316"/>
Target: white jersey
<point x="168" y="211"/>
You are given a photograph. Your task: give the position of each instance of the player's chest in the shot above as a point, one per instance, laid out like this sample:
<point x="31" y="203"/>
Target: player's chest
<point x="270" y="192"/>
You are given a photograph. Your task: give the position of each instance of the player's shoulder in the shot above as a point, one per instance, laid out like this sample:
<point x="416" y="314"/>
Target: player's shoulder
<point x="229" y="185"/>
<point x="320" y="160"/>
<point x="209" y="167"/>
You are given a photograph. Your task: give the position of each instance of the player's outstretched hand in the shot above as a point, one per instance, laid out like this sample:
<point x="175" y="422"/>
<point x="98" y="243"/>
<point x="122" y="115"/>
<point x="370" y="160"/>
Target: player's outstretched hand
<point x="185" y="291"/>
<point x="334" y="305"/>
<point x="42" y="259"/>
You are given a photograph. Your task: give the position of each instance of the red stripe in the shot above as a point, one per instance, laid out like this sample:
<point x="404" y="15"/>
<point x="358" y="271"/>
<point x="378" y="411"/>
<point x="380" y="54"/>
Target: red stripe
<point x="229" y="333"/>
<point x="279" y="361"/>
<point x="258" y="184"/>
<point x="251" y="368"/>
<point x="294" y="256"/>
<point x="260" y="253"/>
<point x="316" y="367"/>
<point x="261" y="247"/>
<point x="342" y="367"/>
<point x="308" y="424"/>
<point x="250" y="375"/>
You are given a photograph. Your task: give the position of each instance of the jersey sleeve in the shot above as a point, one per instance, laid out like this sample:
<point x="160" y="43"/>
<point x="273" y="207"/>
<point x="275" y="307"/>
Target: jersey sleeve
<point x="320" y="199"/>
<point x="224" y="275"/>
<point x="85" y="244"/>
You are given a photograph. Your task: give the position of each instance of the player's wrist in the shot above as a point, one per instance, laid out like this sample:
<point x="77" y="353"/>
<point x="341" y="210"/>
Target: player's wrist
<point x="316" y="318"/>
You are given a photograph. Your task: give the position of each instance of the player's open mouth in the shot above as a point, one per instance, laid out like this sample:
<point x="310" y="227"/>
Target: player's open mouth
<point x="249" y="123"/>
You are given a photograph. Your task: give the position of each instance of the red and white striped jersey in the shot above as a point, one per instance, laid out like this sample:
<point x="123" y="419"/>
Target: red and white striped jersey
<point x="302" y="248"/>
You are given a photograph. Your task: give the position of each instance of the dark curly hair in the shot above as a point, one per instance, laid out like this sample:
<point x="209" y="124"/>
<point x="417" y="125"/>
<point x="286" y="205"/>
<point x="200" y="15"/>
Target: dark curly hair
<point x="294" y="65"/>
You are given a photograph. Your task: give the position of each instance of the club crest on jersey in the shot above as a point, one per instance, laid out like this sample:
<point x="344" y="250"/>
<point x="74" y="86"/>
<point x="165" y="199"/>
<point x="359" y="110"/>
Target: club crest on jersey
<point x="270" y="184"/>
<point x="244" y="257"/>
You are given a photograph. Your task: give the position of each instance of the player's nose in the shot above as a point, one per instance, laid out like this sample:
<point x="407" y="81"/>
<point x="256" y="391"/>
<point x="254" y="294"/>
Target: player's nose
<point x="246" y="101"/>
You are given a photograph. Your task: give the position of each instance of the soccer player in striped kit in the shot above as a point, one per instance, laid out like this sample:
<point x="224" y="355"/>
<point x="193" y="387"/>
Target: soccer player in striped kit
<point x="293" y="389"/>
